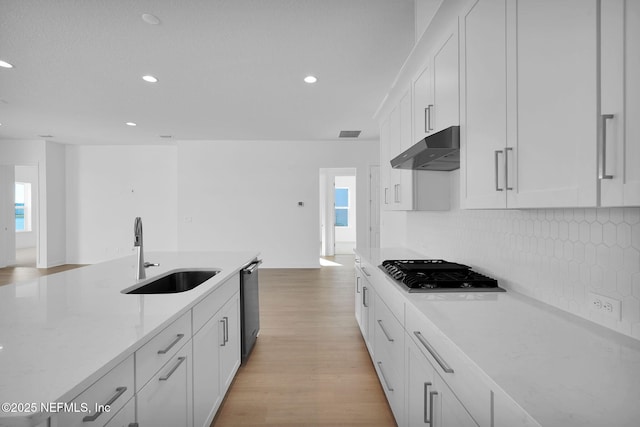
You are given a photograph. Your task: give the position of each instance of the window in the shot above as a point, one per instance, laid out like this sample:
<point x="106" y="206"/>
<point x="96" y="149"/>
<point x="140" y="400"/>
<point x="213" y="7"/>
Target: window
<point x="342" y="207"/>
<point x="23" y="206"/>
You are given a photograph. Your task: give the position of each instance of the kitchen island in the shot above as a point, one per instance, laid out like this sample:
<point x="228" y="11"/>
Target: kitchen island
<point x="61" y="333"/>
<point x="501" y="359"/>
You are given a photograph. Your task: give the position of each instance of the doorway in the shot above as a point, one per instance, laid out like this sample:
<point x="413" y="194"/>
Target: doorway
<point x="19" y="213"/>
<point x="337" y="211"/>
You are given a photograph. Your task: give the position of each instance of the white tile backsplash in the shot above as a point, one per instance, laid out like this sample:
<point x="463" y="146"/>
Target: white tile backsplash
<point x="554" y="255"/>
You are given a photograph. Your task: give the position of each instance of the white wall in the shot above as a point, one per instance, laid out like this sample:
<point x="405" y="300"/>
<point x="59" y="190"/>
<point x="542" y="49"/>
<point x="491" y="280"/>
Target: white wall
<point x="238" y="195"/>
<point x="107" y="187"/>
<point x="28" y="174"/>
<point x="554" y="255"/>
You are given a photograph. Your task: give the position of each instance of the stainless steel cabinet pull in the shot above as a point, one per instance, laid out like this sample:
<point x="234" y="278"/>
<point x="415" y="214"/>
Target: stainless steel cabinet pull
<point x="506" y="168"/>
<point x="226" y="329"/>
<point x="364" y="270"/>
<point x="429" y="108"/>
<point x="133" y="425"/>
<point x="445" y="367"/>
<point x="427" y="419"/>
<point x="358" y="285"/>
<point x="497" y="153"/>
<point x="166" y="377"/>
<point x="364" y="296"/>
<point x="386" y="198"/>
<point x="117" y="394"/>
<point x="384" y="330"/>
<point x="602" y="167"/>
<point x="386" y="383"/>
<point x="174" y="342"/>
<point x="426" y="109"/>
<point x="433" y="393"/>
<point x="251" y="268"/>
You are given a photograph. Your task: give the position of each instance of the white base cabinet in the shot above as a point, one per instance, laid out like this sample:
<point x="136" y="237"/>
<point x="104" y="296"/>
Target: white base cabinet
<point x="167" y="398"/>
<point x="426" y="379"/>
<point x="181" y="374"/>
<point x="429" y="400"/>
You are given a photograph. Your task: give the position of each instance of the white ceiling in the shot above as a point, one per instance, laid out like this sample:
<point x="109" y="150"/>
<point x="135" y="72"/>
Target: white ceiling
<point x="228" y="69"/>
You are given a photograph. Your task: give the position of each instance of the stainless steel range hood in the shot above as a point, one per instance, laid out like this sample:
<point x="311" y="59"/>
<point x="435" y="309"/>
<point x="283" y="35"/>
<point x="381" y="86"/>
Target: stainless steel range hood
<point x="437" y="152"/>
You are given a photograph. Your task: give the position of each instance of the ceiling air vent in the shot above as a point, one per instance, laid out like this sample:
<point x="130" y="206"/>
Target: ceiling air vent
<point x="349" y="133"/>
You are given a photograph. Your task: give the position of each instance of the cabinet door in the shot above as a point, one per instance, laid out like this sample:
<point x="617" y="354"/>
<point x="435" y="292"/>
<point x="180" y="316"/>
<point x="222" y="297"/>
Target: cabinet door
<point x="422" y="105"/>
<point x="126" y="417"/>
<point x="358" y="297"/>
<point x="484" y="100"/>
<point x="166" y="400"/>
<point x="619" y="145"/>
<point x="430" y="401"/>
<point x="446" y="109"/>
<point x="206" y="377"/>
<point x="230" y="347"/>
<point x="448" y="411"/>
<point x="385" y="167"/>
<point x="404" y="196"/>
<point x="420" y="384"/>
<point x="552" y="159"/>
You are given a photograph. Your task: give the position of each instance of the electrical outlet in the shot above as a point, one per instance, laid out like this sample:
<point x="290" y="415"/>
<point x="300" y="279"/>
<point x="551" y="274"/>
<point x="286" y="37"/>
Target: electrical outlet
<point x="605" y="305"/>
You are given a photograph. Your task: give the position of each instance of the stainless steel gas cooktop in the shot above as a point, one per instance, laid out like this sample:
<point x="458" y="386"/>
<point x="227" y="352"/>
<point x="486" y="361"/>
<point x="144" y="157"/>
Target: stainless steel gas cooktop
<point x="436" y="275"/>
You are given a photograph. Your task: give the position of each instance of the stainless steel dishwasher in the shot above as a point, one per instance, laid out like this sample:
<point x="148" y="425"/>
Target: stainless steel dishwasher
<point x="249" y="307"/>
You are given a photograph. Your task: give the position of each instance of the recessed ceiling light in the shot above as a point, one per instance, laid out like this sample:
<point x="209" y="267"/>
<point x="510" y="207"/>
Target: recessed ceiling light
<point x="150" y="19"/>
<point x="310" y="79"/>
<point x="150" y="79"/>
<point x="131" y="124"/>
<point x="5" y="64"/>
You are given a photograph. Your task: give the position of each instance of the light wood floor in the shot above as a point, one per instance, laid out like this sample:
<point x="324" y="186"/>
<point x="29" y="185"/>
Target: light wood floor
<point x="21" y="274"/>
<point x="310" y="366"/>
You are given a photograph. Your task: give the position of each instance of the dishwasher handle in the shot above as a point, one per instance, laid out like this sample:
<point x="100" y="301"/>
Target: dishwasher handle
<point x="251" y="267"/>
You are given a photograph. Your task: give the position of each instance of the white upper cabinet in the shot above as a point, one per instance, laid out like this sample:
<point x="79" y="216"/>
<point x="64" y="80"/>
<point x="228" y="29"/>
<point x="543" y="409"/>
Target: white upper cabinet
<point x="405" y="189"/>
<point x="553" y="55"/>
<point x="446" y="100"/>
<point x="483" y="134"/>
<point x="422" y="104"/>
<point x="436" y="101"/>
<point x="619" y="132"/>
<point x="530" y="96"/>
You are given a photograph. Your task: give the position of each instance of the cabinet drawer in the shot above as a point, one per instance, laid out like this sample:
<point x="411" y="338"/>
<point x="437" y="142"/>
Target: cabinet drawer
<point x="114" y="389"/>
<point x="154" y="354"/>
<point x="466" y="380"/>
<point x="387" y="291"/>
<point x="212" y="303"/>
<point x="389" y="334"/>
<point x="392" y="382"/>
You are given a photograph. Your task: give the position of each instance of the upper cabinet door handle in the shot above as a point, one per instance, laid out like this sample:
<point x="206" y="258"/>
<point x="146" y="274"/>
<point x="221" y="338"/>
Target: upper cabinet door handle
<point x="602" y="166"/>
<point x="495" y="159"/>
<point x="506" y="167"/>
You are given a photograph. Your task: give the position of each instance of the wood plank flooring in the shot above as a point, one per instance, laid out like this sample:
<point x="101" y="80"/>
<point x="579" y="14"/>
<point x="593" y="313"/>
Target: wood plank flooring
<point x="310" y="366"/>
<point x="21" y="274"/>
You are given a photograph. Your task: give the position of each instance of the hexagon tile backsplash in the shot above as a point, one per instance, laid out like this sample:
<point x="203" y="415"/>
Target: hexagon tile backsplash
<point x="556" y="256"/>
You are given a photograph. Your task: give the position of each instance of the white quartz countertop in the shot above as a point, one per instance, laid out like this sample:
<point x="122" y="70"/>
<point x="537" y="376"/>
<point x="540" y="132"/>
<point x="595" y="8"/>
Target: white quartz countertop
<point x="563" y="370"/>
<point x="61" y="332"/>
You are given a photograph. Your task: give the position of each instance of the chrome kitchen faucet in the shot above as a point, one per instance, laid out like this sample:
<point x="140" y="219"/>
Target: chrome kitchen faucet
<point x="137" y="243"/>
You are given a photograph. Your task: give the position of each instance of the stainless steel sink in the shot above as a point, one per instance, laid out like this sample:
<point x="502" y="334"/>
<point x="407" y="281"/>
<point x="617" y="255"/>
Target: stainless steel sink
<point x="173" y="282"/>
